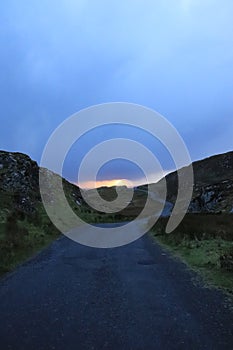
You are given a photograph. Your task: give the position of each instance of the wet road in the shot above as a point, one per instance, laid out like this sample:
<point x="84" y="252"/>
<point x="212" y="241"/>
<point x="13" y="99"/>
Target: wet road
<point x="133" y="297"/>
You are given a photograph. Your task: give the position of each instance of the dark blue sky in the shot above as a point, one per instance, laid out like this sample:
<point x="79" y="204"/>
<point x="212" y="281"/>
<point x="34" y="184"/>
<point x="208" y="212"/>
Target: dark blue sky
<point x="58" y="57"/>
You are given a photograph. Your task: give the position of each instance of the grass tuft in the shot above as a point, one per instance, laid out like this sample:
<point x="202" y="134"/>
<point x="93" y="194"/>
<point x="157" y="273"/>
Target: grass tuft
<point x="202" y="241"/>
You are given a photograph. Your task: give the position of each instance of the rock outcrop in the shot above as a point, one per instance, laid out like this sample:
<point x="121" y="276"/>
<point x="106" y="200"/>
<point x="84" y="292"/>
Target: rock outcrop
<point x="19" y="182"/>
<point x="213" y="185"/>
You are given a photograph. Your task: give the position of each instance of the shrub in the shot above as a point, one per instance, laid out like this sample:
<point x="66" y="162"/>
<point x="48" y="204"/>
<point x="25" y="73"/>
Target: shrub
<point x="14" y="234"/>
<point x="226" y="260"/>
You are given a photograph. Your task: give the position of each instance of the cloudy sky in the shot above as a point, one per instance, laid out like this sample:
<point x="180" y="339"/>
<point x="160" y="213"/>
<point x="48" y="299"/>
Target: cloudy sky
<point x="58" y="57"/>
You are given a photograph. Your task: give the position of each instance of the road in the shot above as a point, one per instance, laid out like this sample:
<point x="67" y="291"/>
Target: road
<point x="133" y="297"/>
<point x="167" y="205"/>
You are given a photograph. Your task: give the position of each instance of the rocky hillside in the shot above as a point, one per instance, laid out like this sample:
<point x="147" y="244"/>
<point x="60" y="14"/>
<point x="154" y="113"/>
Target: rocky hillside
<point x="24" y="224"/>
<point x="19" y="183"/>
<point x="213" y="185"/>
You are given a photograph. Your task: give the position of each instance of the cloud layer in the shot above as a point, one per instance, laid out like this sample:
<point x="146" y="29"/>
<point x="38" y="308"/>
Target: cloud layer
<point x="60" y="56"/>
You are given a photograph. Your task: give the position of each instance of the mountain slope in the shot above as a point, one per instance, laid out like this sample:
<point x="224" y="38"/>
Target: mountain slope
<point x="213" y="184"/>
<point x="24" y="224"/>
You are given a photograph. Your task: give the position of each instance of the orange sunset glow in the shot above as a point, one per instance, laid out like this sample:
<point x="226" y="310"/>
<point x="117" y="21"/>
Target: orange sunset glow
<point x="107" y="183"/>
<point x="122" y="182"/>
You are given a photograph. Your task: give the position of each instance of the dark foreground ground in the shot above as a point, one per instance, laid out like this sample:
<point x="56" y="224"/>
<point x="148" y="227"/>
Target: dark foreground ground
<point x="134" y="297"/>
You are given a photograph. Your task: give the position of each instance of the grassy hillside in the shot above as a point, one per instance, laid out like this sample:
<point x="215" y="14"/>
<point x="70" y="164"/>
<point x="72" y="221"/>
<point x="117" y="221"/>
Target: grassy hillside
<point x="25" y="227"/>
<point x="132" y="208"/>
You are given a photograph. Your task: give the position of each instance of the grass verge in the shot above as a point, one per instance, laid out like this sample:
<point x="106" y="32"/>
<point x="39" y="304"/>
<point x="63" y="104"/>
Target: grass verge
<point x="21" y="236"/>
<point x="200" y="249"/>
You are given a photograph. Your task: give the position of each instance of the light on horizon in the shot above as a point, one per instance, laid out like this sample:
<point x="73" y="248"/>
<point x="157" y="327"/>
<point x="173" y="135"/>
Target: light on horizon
<point x="123" y="182"/>
<point x="105" y="183"/>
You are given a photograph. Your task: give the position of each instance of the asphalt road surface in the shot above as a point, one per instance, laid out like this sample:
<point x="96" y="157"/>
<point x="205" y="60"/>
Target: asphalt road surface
<point x="133" y="297"/>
